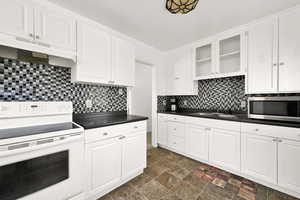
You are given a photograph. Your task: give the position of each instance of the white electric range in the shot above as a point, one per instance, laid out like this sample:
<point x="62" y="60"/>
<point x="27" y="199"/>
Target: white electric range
<point x="41" y="152"/>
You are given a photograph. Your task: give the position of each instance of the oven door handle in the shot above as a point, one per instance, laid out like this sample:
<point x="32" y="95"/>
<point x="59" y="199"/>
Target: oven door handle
<point x="19" y="148"/>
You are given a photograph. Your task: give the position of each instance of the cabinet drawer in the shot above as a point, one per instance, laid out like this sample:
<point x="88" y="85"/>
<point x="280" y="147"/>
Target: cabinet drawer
<point x="176" y="118"/>
<point x="214" y="123"/>
<point x="136" y="126"/>
<point x="271" y="131"/>
<point x="176" y="129"/>
<point x="97" y="134"/>
<point x="177" y="143"/>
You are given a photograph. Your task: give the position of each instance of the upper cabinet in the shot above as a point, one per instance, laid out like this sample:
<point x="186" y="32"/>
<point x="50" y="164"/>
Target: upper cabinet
<point x="123" y="62"/>
<point x="103" y="58"/>
<point x="289" y="51"/>
<point x="262" y="57"/>
<point x="36" y="28"/>
<point x="274" y="55"/>
<point x="222" y="56"/>
<point x="180" y="76"/>
<point x="54" y="29"/>
<point x="17" y="19"/>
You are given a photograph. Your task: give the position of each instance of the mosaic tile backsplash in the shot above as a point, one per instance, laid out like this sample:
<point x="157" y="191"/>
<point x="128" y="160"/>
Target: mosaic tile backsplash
<point x="24" y="81"/>
<point x="224" y="94"/>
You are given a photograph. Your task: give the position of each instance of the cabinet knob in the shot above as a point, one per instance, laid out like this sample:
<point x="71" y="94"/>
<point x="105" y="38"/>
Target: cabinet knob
<point x="281" y="64"/>
<point x="275" y="64"/>
<point x="136" y="127"/>
<point x="174" y="129"/>
<point x="31" y="35"/>
<point x="274" y="140"/>
<point x="208" y="129"/>
<point x="256" y="130"/>
<point x="37" y="37"/>
<point x="105" y="134"/>
<point x="122" y="137"/>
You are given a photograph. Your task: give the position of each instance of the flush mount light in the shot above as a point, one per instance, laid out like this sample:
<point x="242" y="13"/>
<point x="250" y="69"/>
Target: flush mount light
<point x="181" y="6"/>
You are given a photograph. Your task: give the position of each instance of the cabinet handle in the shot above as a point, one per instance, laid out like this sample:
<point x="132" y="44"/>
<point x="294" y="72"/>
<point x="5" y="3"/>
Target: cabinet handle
<point x="174" y="129"/>
<point x="274" y="140"/>
<point x="281" y="64"/>
<point x="31" y="35"/>
<point x="105" y="134"/>
<point x="275" y="64"/>
<point x="136" y="127"/>
<point x="177" y="78"/>
<point x="279" y="140"/>
<point x="37" y="37"/>
<point x="256" y="130"/>
<point x="208" y="129"/>
<point x="122" y="137"/>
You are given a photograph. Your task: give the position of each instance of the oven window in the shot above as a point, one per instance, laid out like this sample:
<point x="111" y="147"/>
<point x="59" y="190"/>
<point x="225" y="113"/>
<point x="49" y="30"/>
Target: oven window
<point x="29" y="176"/>
<point x="275" y="108"/>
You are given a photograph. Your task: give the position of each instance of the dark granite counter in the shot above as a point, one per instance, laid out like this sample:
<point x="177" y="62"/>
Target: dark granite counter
<point x="238" y="117"/>
<point x="98" y="120"/>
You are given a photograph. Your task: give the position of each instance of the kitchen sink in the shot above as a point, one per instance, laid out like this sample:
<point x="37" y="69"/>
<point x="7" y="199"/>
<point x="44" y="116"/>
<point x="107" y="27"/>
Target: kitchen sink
<point x="203" y="114"/>
<point x="222" y="115"/>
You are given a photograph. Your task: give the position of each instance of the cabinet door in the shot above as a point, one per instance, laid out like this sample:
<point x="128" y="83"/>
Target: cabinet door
<point x="123" y="63"/>
<point x="183" y="83"/>
<point x="197" y="142"/>
<point x="94" y="54"/>
<point x="289" y="164"/>
<point x="162" y="134"/>
<point x="134" y="154"/>
<point x="289" y="51"/>
<point x="225" y="149"/>
<point x="55" y="29"/>
<point x="262" y="58"/>
<point x="259" y="157"/>
<point x="103" y="160"/>
<point x="17" y="18"/>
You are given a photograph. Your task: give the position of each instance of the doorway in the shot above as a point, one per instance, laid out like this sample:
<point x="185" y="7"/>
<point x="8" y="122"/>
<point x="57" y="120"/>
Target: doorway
<point x="141" y="96"/>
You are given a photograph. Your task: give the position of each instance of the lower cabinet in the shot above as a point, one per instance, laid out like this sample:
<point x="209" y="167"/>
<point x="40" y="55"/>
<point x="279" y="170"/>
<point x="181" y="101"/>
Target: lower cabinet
<point x="104" y="162"/>
<point x="113" y="156"/>
<point x="197" y="142"/>
<point x="162" y="131"/>
<point x="225" y="149"/>
<point x="289" y="164"/>
<point x="259" y="157"/>
<point x="134" y="155"/>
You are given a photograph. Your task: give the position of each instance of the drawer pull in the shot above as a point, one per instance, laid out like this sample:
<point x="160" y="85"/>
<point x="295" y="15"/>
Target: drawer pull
<point x="256" y="130"/>
<point x="136" y="127"/>
<point x="122" y="138"/>
<point x="274" y="140"/>
<point x="208" y="129"/>
<point x="174" y="129"/>
<point x="279" y="140"/>
<point x="105" y="134"/>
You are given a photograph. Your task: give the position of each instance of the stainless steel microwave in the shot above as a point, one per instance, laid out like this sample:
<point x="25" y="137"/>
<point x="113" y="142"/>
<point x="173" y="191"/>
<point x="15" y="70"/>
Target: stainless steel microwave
<point x="284" y="108"/>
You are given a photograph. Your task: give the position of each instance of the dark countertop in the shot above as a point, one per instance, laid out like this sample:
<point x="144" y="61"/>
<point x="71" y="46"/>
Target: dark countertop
<point x="238" y="117"/>
<point x="98" y="120"/>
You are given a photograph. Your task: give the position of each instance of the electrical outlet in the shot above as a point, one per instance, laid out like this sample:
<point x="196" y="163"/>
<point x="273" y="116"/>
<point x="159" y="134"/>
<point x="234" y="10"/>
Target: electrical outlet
<point x="243" y="104"/>
<point x="121" y="91"/>
<point x="185" y="102"/>
<point x="89" y="103"/>
<point x="164" y="102"/>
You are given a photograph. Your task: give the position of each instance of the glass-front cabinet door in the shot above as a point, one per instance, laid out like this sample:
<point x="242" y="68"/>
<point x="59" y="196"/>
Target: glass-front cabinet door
<point x="204" y="61"/>
<point x="230" y="55"/>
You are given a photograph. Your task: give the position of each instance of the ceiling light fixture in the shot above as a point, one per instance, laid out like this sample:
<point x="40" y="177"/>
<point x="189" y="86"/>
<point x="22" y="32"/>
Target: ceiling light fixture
<point x="181" y="6"/>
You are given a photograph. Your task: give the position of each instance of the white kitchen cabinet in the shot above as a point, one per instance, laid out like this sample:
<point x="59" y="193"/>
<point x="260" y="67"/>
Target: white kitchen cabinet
<point x="134" y="154"/>
<point x="197" y="142"/>
<point x="289" y="164"/>
<point x="114" y="155"/>
<point x="259" y="157"/>
<point x="94" y="55"/>
<point x="176" y="136"/>
<point x="17" y="18"/>
<point x="123" y="62"/>
<point x="205" y="60"/>
<point x="162" y="131"/>
<point x="102" y="58"/>
<point x="262" y="57"/>
<point x="225" y="149"/>
<point x="55" y="29"/>
<point x="289" y="51"/>
<point x="103" y="162"/>
<point x="180" y="80"/>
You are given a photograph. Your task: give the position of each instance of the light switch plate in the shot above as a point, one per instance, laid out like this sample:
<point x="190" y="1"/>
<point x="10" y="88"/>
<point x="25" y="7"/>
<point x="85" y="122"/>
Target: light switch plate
<point x="89" y="103"/>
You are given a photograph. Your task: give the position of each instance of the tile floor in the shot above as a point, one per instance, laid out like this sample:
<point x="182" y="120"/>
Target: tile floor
<point x="170" y="176"/>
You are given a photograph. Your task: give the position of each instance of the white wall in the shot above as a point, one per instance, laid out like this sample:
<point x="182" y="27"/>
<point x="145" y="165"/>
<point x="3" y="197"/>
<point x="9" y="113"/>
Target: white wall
<point x="142" y="92"/>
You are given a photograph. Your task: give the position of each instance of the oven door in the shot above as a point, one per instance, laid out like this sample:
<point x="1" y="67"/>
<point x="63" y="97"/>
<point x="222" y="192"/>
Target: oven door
<point x="46" y="171"/>
<point x="275" y="108"/>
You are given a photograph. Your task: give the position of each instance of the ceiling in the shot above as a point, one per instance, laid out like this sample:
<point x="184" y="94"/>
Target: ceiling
<point x="148" y="21"/>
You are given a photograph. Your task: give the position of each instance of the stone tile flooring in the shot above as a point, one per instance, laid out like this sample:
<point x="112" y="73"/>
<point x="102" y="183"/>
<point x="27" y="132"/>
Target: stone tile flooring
<point x="170" y="176"/>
